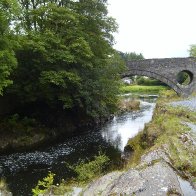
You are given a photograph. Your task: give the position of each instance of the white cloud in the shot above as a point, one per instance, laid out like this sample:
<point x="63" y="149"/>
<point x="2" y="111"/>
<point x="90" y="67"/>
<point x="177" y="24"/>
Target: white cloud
<point x="156" y="28"/>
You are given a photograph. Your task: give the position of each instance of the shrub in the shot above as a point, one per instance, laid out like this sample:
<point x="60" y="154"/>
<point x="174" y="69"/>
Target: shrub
<point x="43" y="185"/>
<point x="91" y="169"/>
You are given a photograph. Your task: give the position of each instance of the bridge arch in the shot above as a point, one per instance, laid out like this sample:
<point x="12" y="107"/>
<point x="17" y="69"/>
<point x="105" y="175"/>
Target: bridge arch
<point x="166" y="71"/>
<point x="156" y="76"/>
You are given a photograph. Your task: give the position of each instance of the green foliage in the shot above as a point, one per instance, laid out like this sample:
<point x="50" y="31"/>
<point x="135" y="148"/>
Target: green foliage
<point x="43" y="185"/>
<point x="88" y="171"/>
<point x="85" y="170"/>
<point x="192" y="51"/>
<point x="145" y="81"/>
<point x="7" y="64"/>
<point x="169" y="94"/>
<point x="65" y="58"/>
<point x="7" y="59"/>
<point x="20" y="126"/>
<point x="131" y="56"/>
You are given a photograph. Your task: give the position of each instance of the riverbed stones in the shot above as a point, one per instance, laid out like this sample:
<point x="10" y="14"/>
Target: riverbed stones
<point x="157" y="179"/>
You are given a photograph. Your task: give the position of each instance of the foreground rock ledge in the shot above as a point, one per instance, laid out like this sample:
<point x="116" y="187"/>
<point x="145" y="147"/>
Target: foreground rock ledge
<point x="156" y="178"/>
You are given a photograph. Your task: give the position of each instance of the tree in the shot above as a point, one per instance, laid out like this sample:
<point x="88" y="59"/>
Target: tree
<point x="65" y="58"/>
<point x="131" y="56"/>
<point x="7" y="58"/>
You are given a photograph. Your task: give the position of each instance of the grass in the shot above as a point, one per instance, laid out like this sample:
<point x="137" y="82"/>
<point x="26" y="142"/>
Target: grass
<point x="142" y="89"/>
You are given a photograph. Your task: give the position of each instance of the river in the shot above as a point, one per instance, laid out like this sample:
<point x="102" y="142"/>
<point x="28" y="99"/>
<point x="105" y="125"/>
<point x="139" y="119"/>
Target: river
<point x="23" y="170"/>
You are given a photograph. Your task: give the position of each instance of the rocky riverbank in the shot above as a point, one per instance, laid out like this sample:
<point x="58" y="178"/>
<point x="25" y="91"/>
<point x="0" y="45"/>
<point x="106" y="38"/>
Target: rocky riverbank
<point x="153" y="176"/>
<point x="159" y="156"/>
<point x="160" y="159"/>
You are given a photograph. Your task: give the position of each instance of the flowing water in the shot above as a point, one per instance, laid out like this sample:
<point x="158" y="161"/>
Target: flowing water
<point x="23" y="170"/>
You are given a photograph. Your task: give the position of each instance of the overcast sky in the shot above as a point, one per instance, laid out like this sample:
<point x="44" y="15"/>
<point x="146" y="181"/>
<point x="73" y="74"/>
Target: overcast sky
<point x="155" y="28"/>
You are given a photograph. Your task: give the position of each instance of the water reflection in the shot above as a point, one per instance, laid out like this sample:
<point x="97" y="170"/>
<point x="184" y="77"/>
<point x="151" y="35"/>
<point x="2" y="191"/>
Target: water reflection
<point x="126" y="126"/>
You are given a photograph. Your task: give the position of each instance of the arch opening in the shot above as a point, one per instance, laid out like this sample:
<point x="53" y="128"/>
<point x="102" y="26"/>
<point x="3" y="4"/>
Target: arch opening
<point x="162" y="78"/>
<point x="184" y="77"/>
<point x="143" y="80"/>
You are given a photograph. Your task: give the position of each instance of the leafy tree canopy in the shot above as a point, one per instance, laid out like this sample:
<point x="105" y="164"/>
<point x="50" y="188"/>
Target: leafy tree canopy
<point x="65" y="56"/>
<point x="7" y="59"/>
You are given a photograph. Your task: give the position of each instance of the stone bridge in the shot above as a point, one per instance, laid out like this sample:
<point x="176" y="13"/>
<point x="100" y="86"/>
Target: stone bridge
<point x="166" y="70"/>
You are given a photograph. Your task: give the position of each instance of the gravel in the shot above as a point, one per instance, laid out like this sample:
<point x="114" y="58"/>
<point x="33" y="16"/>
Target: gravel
<point x="189" y="103"/>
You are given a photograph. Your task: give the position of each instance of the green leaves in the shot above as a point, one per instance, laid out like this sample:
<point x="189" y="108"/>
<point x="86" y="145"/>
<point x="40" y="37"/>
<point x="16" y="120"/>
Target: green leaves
<point x="65" y="57"/>
<point x="7" y="58"/>
<point x="91" y="169"/>
<point x="59" y="78"/>
<point x="193" y="51"/>
<point x="7" y="64"/>
<point x="43" y="185"/>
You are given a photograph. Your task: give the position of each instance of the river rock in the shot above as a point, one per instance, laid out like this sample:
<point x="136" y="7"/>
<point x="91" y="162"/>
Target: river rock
<point x="157" y="179"/>
<point x="157" y="154"/>
<point x="5" y="193"/>
<point x="100" y="185"/>
<point x="160" y="180"/>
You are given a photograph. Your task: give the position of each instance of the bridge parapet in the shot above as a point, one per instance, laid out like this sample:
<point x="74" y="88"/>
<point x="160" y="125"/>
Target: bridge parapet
<point x="166" y="70"/>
